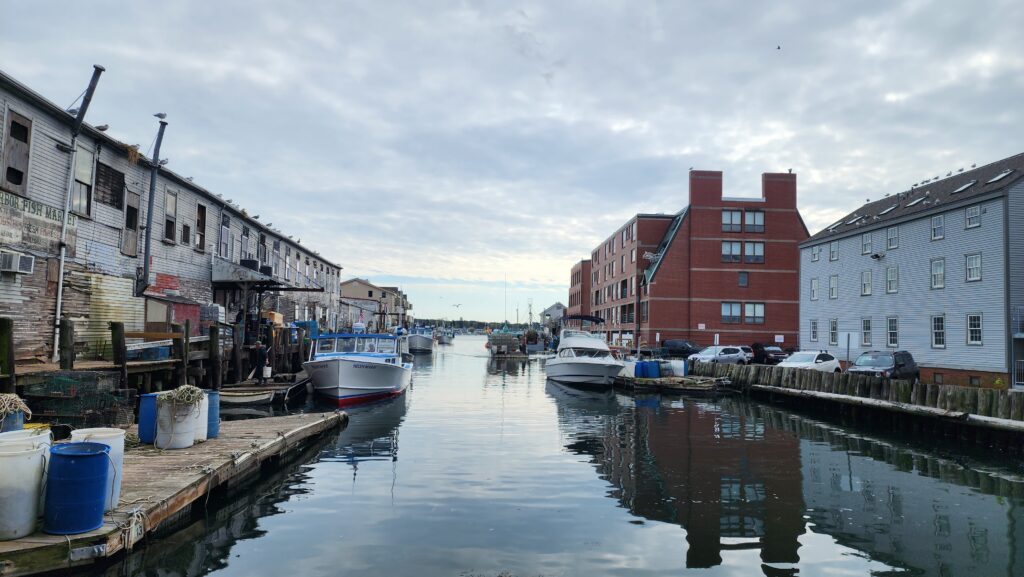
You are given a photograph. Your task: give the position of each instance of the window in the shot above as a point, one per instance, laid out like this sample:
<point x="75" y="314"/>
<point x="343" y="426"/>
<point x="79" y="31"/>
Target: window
<point x="224" y="243"/>
<point x="865" y="283"/>
<point x="753" y="313"/>
<point x="892" y="332"/>
<point x="972" y="216"/>
<point x="938" y="378"/>
<point x="833" y="250"/>
<point x="814" y="289"/>
<point x="865" y="332"/>
<point x="865" y="243"/>
<point x="753" y="221"/>
<point x="17" y="147"/>
<point x="833" y="332"/>
<point x="938" y="273"/>
<point x="245" y="244"/>
<point x="200" y="227"/>
<point x="130" y="233"/>
<point x="938" y="227"/>
<point x="973" y="267"/>
<point x="186" y="234"/>
<point x="754" y="252"/>
<point x="974" y="381"/>
<point x="939" y="332"/>
<point x="632" y="255"/>
<point x="892" y="237"/>
<point x="833" y="286"/>
<point x="816" y="253"/>
<point x="643" y="311"/>
<point x="731" y="251"/>
<point x="814" y="331"/>
<point x="81" y="189"/>
<point x="612" y="269"/>
<point x="732" y="220"/>
<point x="109" y="187"/>
<point x="730" y="312"/>
<point x="892" y="279"/>
<point x="744" y="279"/>
<point x="974" y="332"/>
<point x="170" y="215"/>
<point x="369" y="294"/>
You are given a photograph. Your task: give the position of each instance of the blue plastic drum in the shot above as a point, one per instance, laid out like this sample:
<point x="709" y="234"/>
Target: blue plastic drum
<point x="76" y="485"/>
<point x="147" y="418"/>
<point x="213" y="424"/>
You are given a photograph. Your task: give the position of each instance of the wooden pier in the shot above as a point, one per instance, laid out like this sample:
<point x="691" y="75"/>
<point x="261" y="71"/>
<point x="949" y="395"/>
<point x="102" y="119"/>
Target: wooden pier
<point x="160" y="487"/>
<point x="704" y="386"/>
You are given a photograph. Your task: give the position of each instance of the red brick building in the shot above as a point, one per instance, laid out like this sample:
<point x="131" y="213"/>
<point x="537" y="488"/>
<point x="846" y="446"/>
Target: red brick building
<point x="579" y="291"/>
<point x="722" y="265"/>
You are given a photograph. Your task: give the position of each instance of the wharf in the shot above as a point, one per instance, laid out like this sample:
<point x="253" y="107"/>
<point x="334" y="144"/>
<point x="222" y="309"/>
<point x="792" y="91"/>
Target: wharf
<point x="705" y="386"/>
<point x="160" y="487"/>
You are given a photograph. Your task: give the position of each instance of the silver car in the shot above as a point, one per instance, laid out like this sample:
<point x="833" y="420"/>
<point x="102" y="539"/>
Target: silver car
<point x="725" y="354"/>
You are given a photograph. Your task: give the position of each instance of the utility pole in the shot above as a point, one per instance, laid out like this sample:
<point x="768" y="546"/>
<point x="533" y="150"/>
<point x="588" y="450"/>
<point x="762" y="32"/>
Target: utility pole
<point x="142" y="282"/>
<point x="76" y="128"/>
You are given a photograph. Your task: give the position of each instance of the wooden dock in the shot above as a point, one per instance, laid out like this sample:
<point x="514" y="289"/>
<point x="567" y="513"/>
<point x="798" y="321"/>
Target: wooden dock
<point x="160" y="487"/>
<point x="703" y="386"/>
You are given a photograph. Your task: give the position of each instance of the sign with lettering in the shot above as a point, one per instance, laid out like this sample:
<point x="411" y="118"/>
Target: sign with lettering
<point x="30" y="224"/>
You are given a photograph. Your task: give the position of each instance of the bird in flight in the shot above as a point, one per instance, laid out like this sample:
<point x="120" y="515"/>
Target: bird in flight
<point x="458" y="305"/>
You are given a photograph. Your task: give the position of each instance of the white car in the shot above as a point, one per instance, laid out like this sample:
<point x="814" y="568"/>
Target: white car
<point x="816" y="360"/>
<point x="728" y="355"/>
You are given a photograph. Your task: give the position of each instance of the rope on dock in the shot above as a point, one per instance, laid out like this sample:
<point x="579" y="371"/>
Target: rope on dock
<point x="11" y="403"/>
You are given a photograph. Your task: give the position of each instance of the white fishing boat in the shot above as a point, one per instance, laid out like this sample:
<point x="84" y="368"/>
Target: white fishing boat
<point x="357" y="368"/>
<point x="445" y="336"/>
<point x="421" y="340"/>
<point x="583" y="359"/>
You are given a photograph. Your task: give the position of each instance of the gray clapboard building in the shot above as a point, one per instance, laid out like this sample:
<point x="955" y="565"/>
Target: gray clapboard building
<point x="204" y="246"/>
<point x="937" y="270"/>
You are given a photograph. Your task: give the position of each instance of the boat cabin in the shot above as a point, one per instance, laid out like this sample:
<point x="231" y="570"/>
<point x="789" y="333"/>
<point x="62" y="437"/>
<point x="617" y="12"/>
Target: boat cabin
<point x="575" y="352"/>
<point x="358" y="343"/>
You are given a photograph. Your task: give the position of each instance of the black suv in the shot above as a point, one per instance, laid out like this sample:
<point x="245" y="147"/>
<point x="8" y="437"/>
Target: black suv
<point x="889" y="364"/>
<point x="679" y="348"/>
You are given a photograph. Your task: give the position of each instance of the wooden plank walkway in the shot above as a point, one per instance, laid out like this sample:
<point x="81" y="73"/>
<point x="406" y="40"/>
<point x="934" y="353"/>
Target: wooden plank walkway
<point x="160" y="485"/>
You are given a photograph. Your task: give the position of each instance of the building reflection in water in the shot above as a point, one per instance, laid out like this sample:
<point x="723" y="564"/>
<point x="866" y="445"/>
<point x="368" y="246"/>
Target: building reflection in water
<point x="740" y="475"/>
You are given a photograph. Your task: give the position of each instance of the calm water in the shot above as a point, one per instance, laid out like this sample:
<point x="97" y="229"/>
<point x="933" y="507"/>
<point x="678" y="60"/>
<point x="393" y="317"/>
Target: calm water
<point x="486" y="470"/>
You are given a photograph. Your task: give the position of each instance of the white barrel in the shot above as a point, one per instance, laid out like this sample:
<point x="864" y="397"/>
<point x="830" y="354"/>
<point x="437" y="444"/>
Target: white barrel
<point x="202" y="417"/>
<point x="628" y="369"/>
<point x="30" y="439"/>
<point x="113" y="438"/>
<point x="678" y="368"/>
<point x="175" y="426"/>
<point x="21" y="480"/>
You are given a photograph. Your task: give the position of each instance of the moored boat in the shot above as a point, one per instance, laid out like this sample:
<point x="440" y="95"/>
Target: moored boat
<point x="358" y="368"/>
<point x="421" y="340"/>
<point x="445" y="336"/>
<point x="583" y="359"/>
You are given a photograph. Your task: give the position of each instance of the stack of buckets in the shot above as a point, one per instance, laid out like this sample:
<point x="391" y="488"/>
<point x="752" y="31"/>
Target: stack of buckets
<point x="71" y="485"/>
<point x="167" y="426"/>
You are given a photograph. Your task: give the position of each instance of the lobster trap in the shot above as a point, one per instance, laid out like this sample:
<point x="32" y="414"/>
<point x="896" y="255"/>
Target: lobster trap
<point x="81" y="399"/>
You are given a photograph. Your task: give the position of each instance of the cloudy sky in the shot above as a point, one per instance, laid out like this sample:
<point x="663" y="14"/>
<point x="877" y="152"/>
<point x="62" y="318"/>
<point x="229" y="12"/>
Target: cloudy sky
<point x="448" y="146"/>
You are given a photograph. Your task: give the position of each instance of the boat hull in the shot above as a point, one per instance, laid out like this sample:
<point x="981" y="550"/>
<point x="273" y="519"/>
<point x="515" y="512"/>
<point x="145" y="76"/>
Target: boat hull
<point x="421" y="344"/>
<point x="583" y="372"/>
<point x="444" y="339"/>
<point x="350" y="381"/>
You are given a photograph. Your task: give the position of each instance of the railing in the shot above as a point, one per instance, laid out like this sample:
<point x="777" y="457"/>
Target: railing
<point x="1017" y="323"/>
<point x="1018" y="374"/>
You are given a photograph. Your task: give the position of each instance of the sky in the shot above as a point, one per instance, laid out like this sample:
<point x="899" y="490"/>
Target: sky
<point x="448" y="146"/>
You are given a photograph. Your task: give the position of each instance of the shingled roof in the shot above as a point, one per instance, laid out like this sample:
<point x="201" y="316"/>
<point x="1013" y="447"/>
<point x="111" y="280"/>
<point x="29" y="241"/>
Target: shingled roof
<point x="926" y="197"/>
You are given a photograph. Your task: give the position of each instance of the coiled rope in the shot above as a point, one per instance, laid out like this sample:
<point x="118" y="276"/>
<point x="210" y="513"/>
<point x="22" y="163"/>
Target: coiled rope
<point x="11" y="403"/>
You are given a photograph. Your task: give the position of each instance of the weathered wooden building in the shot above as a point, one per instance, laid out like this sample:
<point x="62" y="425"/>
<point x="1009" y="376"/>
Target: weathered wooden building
<point x="210" y="260"/>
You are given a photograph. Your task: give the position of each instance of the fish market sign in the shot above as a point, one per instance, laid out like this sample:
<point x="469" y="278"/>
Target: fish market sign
<point x="30" y="224"/>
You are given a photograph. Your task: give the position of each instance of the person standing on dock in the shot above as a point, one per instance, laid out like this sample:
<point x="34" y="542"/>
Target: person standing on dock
<point x="261" y="361"/>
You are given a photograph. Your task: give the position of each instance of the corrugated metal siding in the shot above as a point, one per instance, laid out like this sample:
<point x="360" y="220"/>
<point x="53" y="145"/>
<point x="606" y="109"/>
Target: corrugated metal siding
<point x="916" y="302"/>
<point x="95" y="300"/>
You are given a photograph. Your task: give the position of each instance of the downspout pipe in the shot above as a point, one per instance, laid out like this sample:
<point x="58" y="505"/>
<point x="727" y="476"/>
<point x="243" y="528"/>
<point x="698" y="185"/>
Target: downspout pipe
<point x="143" y="283"/>
<point x="76" y="128"/>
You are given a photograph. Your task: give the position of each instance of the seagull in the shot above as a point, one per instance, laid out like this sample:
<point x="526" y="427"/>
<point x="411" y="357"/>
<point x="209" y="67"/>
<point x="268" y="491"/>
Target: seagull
<point x="161" y="115"/>
<point x="103" y="127"/>
<point x="458" y="305"/>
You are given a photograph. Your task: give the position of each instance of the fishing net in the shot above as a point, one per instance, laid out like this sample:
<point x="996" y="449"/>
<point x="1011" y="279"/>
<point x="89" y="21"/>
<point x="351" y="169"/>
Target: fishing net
<point x="82" y="399"/>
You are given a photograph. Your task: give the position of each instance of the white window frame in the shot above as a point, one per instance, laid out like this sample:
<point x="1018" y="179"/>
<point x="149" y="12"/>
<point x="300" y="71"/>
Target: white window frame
<point x="865" y="243"/>
<point x="865" y="332"/>
<point x="981" y="330"/>
<point x="833" y="287"/>
<point x="865" y="283"/>
<point x="892" y="336"/>
<point x="816" y="253"/>
<point x="813" y="330"/>
<point x="892" y="237"/>
<point x="938" y="227"/>
<point x="833" y="250"/>
<point x="892" y="279"/>
<point x="814" y="289"/>
<point x="968" y="268"/>
<point x="972" y="212"/>
<point x="833" y="332"/>
<point x="938" y="331"/>
<point x="938" y="277"/>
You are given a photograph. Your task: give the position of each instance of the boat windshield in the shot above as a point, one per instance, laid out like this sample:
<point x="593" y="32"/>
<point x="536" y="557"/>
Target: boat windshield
<point x="366" y="345"/>
<point x="593" y="353"/>
<point x="386" y="345"/>
<point x="347" y="345"/>
<point x="325" y="346"/>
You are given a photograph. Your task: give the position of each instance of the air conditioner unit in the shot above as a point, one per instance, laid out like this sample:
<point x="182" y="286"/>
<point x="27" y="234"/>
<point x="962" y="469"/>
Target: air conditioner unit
<point x="9" y="261"/>
<point x="26" y="264"/>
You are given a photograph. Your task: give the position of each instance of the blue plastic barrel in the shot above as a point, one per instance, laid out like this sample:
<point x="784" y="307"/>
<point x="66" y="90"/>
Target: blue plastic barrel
<point x="13" y="422"/>
<point x="654" y="370"/>
<point x="638" y="369"/>
<point x="147" y="418"/>
<point x="76" y="486"/>
<point x="213" y="424"/>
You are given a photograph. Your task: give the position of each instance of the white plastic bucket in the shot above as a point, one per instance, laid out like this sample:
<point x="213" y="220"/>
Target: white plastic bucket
<point x="21" y="480"/>
<point x="628" y="369"/>
<point x="267" y="372"/>
<point x="26" y="439"/>
<point x="202" y="417"/>
<point x="175" y="426"/>
<point x="678" y="368"/>
<point x="113" y="438"/>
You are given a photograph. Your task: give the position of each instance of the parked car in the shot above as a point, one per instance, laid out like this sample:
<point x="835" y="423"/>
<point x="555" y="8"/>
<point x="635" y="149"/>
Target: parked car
<point x="749" y="353"/>
<point x="730" y="355"/>
<point x="774" y="355"/>
<point x="815" y="360"/>
<point x="681" y="348"/>
<point x="889" y="364"/>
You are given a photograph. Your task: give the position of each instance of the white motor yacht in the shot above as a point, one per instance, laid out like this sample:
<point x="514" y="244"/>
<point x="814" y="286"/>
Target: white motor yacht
<point x="583" y="359"/>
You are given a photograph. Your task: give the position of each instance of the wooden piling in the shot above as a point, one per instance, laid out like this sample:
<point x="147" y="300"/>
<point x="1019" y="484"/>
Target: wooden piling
<point x="180" y="354"/>
<point x="66" y="344"/>
<point x="236" y="353"/>
<point x="120" y="351"/>
<point x="217" y="369"/>
<point x="8" y="382"/>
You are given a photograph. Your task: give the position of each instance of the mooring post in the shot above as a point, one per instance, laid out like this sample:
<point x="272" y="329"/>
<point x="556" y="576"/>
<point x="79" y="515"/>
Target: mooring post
<point x="302" y="347"/>
<point x="186" y="347"/>
<point x="120" y="351"/>
<point x="178" y="350"/>
<point x="236" y="353"/>
<point x="66" y="348"/>
<point x="215" y="360"/>
<point x="8" y="383"/>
